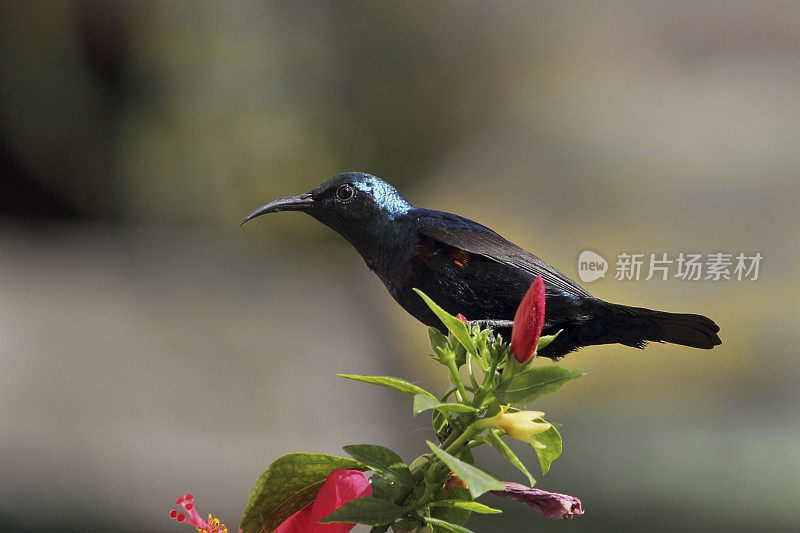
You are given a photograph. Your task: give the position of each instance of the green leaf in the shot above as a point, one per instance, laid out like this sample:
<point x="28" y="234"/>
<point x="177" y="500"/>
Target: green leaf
<point x="460" y="354"/>
<point x="534" y="382"/>
<point x="396" y="384"/>
<point x="467" y="505"/>
<point x="423" y="402"/>
<point x="445" y="525"/>
<point x="385" y="488"/>
<point x="441" y="424"/>
<point x="382" y="460"/>
<point x="370" y="510"/>
<point x="552" y="439"/>
<point x="544" y="340"/>
<point x="453" y="515"/>
<point x="476" y="479"/>
<point x="420" y="465"/>
<point x="437" y="339"/>
<point x="465" y="454"/>
<point x="289" y="484"/>
<point x="497" y="443"/>
<point x="456" y="327"/>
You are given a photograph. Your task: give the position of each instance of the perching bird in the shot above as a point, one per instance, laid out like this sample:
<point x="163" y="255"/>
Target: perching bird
<point x="469" y="269"/>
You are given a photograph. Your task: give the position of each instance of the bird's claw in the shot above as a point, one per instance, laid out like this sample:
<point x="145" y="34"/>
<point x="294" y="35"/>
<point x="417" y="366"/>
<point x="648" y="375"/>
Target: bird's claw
<point x="490" y="323"/>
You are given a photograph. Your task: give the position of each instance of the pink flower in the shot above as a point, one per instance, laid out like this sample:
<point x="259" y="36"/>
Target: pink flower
<point x="462" y="318"/>
<point x="528" y="322"/>
<point x="551" y="504"/>
<point x="213" y="525"/>
<point x="341" y="487"/>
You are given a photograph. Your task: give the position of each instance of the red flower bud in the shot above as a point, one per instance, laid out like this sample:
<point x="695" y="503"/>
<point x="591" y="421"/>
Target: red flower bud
<point x="528" y="322"/>
<point x="462" y="318"/>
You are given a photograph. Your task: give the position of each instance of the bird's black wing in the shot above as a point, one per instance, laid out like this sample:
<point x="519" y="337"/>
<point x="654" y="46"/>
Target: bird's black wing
<point x="475" y="238"/>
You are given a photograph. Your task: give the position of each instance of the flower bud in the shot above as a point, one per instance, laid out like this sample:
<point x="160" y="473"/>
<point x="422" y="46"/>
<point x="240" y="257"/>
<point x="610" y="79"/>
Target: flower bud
<point x="522" y="425"/>
<point x="551" y="504"/>
<point x="528" y="322"/>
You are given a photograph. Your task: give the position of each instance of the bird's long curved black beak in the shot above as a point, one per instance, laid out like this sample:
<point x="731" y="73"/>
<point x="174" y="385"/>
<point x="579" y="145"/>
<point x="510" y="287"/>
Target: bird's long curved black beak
<point x="290" y="203"/>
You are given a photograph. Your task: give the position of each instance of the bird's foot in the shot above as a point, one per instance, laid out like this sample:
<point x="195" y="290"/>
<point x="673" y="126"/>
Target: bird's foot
<point x="493" y="324"/>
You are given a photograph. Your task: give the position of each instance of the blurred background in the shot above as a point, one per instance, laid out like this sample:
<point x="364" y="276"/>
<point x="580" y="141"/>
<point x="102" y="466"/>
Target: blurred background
<point x="149" y="346"/>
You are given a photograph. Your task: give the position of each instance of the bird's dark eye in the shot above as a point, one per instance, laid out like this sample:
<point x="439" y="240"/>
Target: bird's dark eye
<point x="345" y="192"/>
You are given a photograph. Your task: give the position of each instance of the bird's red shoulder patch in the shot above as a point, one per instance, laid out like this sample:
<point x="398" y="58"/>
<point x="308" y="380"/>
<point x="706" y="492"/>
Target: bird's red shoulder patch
<point x="459" y="257"/>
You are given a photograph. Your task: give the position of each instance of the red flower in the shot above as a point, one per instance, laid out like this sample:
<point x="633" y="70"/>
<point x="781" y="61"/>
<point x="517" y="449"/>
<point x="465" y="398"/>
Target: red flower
<point x="462" y="318"/>
<point x="341" y="487"/>
<point x="528" y="322"/>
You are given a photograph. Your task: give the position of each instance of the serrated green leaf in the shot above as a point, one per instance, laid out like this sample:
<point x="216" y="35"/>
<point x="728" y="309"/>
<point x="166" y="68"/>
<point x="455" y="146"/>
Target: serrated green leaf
<point x="423" y="402"/>
<point x="454" y="325"/>
<point x="370" y="510"/>
<point x="497" y="443"/>
<point x="288" y="485"/>
<point x="552" y="439"/>
<point x="396" y="384"/>
<point x="477" y="480"/>
<point x="382" y="460"/>
<point x="534" y="383"/>
<point x="467" y="506"/>
<point x="445" y="525"/>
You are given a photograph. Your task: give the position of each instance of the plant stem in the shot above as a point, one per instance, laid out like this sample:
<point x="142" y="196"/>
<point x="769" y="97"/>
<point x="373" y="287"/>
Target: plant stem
<point x="488" y="383"/>
<point x="461" y="393"/>
<point x="471" y="375"/>
<point x="449" y="440"/>
<point x="472" y="430"/>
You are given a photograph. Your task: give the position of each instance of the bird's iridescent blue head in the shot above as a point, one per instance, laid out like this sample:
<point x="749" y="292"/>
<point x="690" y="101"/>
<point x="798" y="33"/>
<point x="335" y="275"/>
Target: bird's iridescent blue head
<point x="351" y="203"/>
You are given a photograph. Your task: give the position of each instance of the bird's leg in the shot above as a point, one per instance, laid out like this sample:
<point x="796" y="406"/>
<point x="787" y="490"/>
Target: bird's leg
<point x="490" y="323"/>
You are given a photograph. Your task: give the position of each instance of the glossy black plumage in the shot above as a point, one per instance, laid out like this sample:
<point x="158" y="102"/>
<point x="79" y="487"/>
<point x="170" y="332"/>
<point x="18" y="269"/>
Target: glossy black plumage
<point x="468" y="268"/>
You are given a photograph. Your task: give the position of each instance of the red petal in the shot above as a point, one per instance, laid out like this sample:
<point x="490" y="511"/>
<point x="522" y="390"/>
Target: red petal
<point x="462" y="318"/>
<point x="341" y="487"/>
<point x="528" y="322"/>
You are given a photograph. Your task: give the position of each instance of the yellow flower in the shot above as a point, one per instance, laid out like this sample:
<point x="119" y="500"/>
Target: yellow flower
<point x="522" y="425"/>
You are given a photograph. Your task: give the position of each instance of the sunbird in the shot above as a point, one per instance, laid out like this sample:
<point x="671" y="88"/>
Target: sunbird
<point x="467" y="268"/>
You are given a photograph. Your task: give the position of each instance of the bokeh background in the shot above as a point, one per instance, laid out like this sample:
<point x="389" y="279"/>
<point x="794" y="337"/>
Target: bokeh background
<point x="149" y="346"/>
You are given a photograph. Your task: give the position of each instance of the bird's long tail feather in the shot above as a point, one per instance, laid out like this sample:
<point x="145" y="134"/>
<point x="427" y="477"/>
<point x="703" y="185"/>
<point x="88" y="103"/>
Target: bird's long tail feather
<point x="637" y="325"/>
<point x="609" y="323"/>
